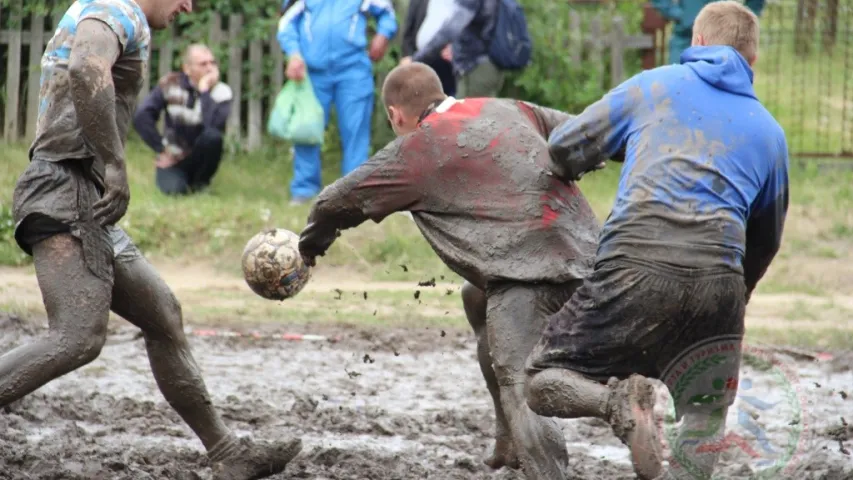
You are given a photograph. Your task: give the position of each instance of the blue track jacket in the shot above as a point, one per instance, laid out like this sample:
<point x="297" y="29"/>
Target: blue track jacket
<point x="332" y="35"/>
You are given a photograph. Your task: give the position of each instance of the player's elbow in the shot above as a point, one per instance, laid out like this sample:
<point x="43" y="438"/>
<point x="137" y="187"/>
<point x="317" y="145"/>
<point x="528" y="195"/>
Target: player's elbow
<point x="87" y="72"/>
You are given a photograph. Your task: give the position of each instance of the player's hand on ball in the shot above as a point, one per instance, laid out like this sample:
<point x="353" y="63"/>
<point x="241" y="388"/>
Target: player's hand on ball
<point x="113" y="205"/>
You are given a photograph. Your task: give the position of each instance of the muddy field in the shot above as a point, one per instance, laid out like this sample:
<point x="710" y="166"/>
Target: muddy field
<point x="387" y="404"/>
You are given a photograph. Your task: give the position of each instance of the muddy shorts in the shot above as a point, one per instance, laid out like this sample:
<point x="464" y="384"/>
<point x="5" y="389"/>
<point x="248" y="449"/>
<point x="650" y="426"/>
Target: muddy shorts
<point x="630" y="317"/>
<point x="53" y="198"/>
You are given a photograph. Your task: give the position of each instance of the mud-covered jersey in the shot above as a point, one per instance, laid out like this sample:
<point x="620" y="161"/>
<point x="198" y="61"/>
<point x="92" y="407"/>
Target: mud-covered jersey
<point x="475" y="177"/>
<point x="58" y="134"/>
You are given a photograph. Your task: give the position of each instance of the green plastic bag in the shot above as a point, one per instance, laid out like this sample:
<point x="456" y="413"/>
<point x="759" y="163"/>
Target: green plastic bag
<point x="297" y="115"/>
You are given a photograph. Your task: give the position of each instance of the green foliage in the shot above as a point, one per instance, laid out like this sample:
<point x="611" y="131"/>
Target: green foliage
<point x="553" y="79"/>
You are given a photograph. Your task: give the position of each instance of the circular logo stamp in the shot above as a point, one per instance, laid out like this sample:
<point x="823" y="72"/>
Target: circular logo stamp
<point x="737" y="402"/>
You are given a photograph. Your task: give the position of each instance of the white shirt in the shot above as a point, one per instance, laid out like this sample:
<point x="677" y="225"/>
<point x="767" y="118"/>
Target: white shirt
<point x="437" y="12"/>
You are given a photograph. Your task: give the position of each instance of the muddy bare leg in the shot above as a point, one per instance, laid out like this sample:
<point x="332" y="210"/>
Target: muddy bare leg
<point x="77" y="304"/>
<point x="474" y="302"/>
<point x="513" y="327"/>
<point x="142" y="297"/>
<point x="635" y="408"/>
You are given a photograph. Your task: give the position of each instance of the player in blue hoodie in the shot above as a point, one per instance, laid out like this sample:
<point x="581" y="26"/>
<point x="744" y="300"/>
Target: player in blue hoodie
<point x="329" y="40"/>
<point x="697" y="219"/>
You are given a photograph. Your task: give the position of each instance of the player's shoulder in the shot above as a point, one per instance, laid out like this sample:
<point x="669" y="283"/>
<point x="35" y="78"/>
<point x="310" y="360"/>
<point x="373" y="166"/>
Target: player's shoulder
<point x="124" y="17"/>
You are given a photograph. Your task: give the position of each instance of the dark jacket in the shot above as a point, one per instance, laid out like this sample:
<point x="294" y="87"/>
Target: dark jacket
<point x="469" y="30"/>
<point x="188" y="112"/>
<point x="414" y="18"/>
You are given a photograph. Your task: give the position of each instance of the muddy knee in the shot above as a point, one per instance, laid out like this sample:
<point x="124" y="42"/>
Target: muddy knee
<point x="171" y="321"/>
<point x="81" y="344"/>
<point x="474" y="303"/>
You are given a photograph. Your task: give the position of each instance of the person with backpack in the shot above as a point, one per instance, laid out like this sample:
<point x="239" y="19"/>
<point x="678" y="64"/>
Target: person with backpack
<point x="486" y="38"/>
<point x="326" y="42"/>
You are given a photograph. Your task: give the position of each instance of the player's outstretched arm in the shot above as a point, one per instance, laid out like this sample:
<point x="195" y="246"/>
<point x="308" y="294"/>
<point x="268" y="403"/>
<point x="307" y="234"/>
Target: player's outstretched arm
<point x="583" y="143"/>
<point x="391" y="181"/>
<point x="96" y="48"/>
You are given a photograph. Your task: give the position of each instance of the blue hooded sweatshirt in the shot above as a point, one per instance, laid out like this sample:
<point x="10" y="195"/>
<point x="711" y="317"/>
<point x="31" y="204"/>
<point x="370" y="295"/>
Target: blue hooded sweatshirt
<point x="705" y="177"/>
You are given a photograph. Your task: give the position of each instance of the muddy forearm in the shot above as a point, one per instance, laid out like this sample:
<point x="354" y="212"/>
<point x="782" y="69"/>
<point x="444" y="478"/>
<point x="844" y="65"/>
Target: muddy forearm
<point x="95" y="50"/>
<point x="333" y="211"/>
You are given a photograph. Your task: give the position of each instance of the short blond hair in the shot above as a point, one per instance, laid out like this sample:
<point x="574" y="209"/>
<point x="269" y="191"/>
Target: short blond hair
<point x="412" y="87"/>
<point x="728" y="22"/>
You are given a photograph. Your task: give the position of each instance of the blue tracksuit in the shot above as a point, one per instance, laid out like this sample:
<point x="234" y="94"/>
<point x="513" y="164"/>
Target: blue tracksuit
<point x="331" y="37"/>
<point x="705" y="175"/>
<point x="683" y="13"/>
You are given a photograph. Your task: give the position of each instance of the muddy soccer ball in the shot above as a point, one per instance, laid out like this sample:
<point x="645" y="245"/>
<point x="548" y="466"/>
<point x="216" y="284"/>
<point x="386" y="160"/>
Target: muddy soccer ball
<point x="272" y="265"/>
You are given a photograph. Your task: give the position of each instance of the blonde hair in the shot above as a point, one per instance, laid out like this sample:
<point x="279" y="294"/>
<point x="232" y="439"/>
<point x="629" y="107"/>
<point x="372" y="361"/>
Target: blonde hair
<point x="412" y="87"/>
<point x="728" y="22"/>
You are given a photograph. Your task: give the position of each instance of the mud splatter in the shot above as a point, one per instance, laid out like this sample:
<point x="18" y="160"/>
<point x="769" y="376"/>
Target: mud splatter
<point x="420" y="411"/>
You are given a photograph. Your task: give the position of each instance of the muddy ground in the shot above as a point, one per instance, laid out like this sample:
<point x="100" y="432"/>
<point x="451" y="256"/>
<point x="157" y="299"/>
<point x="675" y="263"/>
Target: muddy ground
<point x="377" y="404"/>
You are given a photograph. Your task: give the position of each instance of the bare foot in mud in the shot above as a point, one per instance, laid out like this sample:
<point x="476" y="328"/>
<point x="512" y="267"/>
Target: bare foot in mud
<point x="257" y="460"/>
<point x="504" y="455"/>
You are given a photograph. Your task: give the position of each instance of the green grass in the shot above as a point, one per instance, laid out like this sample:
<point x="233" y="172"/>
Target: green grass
<point x="808" y="93"/>
<point x="251" y="193"/>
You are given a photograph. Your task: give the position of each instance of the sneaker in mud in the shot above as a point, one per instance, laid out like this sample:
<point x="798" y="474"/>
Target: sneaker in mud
<point x="252" y="461"/>
<point x="636" y="412"/>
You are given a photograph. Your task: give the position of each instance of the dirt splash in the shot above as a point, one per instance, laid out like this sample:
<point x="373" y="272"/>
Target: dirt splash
<point x="422" y="413"/>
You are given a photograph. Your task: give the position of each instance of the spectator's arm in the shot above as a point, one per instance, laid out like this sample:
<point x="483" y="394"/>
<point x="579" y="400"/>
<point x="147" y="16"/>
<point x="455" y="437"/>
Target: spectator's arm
<point x="765" y="224"/>
<point x="216" y="106"/>
<point x="463" y="13"/>
<point x="288" y="28"/>
<point x="668" y="8"/>
<point x="386" y="18"/>
<point x="146" y="117"/>
<point x="755" y="5"/>
<point x="410" y="28"/>
<point x="599" y="133"/>
<point x="389" y="182"/>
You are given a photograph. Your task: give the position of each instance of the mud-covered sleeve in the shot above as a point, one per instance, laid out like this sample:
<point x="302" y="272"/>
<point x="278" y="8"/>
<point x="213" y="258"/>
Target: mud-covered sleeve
<point x="287" y="33"/>
<point x="386" y="18"/>
<point x="464" y="12"/>
<point x="546" y="118"/>
<point x="387" y="183"/>
<point x="93" y="54"/>
<point x="766" y="223"/>
<point x="668" y="8"/>
<point x="599" y="133"/>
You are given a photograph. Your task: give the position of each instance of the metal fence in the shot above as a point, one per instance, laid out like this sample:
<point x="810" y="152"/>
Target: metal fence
<point x="804" y="73"/>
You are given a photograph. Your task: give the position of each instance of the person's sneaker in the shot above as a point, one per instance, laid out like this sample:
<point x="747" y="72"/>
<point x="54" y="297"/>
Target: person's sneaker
<point x="637" y="410"/>
<point x="299" y="201"/>
<point x="248" y="460"/>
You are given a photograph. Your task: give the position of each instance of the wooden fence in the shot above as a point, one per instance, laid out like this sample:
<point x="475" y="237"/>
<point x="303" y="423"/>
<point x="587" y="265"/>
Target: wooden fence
<point x="598" y="39"/>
